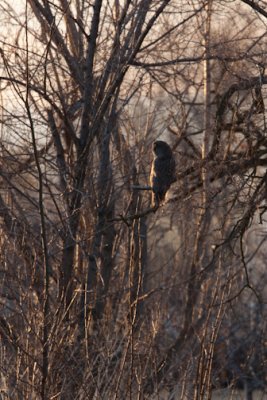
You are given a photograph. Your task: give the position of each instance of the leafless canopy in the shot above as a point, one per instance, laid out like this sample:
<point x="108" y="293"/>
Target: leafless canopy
<point x="102" y="298"/>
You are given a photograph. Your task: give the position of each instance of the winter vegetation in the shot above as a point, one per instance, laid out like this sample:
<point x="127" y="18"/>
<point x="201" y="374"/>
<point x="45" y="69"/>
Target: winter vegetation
<point x="102" y="296"/>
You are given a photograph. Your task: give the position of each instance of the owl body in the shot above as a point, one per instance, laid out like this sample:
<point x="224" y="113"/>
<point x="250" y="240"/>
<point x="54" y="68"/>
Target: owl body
<point x="162" y="172"/>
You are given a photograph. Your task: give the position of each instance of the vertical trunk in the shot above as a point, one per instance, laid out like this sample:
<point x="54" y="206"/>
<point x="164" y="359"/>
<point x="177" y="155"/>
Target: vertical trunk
<point x="204" y="219"/>
<point x="106" y="266"/>
<point x="201" y="244"/>
<point x="67" y="264"/>
<point x="100" y="261"/>
<point x="207" y="98"/>
<point x="138" y="262"/>
<point x="248" y="390"/>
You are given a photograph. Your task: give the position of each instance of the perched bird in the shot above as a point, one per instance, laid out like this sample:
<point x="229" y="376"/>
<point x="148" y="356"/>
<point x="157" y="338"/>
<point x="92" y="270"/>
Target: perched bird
<point x="162" y="171"/>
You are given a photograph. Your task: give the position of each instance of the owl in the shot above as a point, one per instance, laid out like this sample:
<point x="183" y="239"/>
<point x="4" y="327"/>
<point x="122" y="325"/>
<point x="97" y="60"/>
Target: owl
<point x="162" y="172"/>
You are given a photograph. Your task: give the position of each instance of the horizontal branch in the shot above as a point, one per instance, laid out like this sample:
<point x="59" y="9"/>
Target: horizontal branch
<point x="137" y="187"/>
<point x="181" y="60"/>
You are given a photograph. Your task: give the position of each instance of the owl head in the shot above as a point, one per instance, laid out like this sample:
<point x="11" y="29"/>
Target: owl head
<point x="162" y="148"/>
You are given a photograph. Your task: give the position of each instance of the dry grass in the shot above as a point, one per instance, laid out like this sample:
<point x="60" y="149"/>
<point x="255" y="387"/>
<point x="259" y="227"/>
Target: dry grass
<point x="220" y="394"/>
<point x="230" y="394"/>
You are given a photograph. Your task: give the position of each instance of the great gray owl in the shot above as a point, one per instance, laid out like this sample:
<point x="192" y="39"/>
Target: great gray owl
<point x="162" y="172"/>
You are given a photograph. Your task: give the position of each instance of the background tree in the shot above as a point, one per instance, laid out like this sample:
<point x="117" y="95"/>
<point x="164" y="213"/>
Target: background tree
<point x="100" y="296"/>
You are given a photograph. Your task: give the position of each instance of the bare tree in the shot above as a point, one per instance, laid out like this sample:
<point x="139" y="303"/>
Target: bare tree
<point x="101" y="296"/>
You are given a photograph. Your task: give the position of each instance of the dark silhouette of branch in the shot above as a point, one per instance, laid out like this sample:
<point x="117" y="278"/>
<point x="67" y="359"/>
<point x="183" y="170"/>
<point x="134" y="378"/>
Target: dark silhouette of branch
<point x="255" y="7"/>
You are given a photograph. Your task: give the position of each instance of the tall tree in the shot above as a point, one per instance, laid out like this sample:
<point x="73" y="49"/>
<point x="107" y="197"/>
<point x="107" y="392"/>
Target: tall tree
<point x="101" y="296"/>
